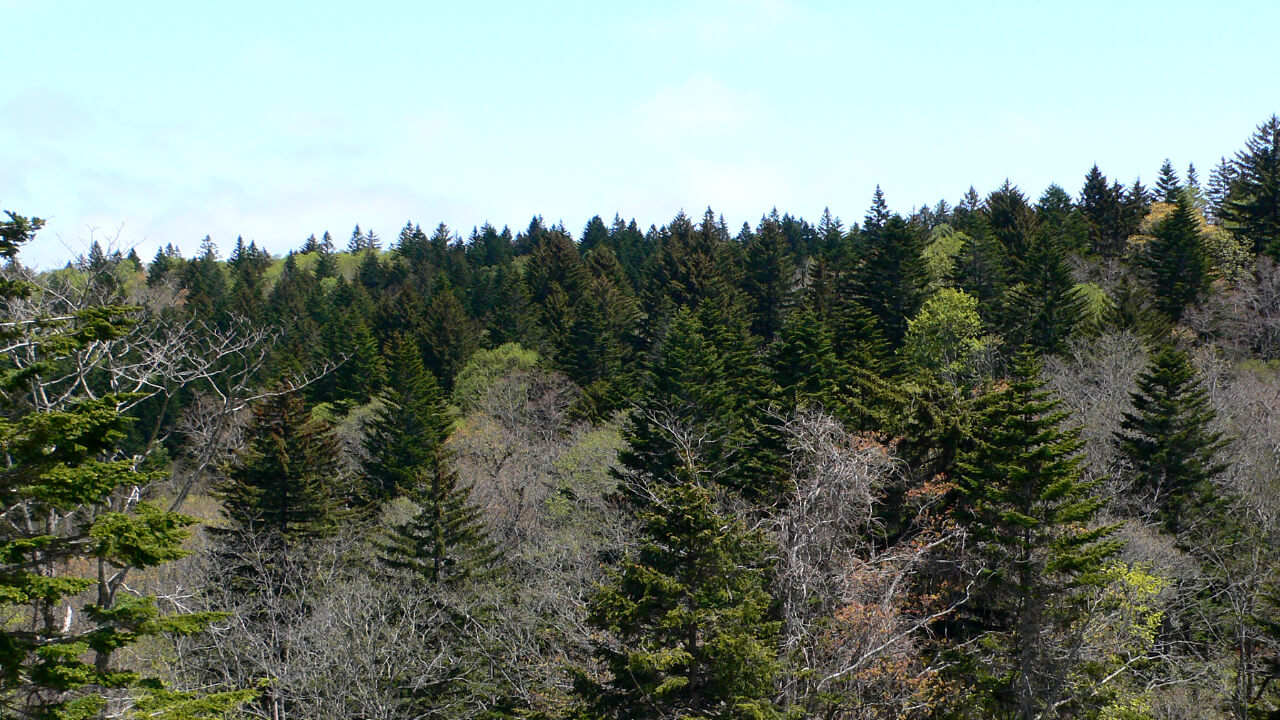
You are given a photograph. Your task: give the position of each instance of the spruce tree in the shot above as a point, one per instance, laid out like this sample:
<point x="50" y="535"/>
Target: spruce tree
<point x="1044" y="310"/>
<point x="1103" y="208"/>
<point x="1252" y="205"/>
<point x="409" y="427"/>
<point x="1176" y="263"/>
<point x="768" y="277"/>
<point x="687" y="618"/>
<point x="892" y="273"/>
<point x="1023" y="501"/>
<point x="1168" y="188"/>
<point x="287" y="481"/>
<point x="73" y="527"/>
<point x="445" y="541"/>
<point x="1168" y="443"/>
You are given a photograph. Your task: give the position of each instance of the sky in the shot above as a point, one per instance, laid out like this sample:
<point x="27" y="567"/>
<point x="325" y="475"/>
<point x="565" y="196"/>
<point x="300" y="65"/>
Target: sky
<point x="144" y="123"/>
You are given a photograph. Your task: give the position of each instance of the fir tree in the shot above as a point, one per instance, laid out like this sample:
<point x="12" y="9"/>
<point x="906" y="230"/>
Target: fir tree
<point x="768" y="277"/>
<point x="893" y="275"/>
<point x="355" y="243"/>
<point x="409" y="427"/>
<point x="1044" y="310"/>
<point x="1102" y="205"/>
<point x="1168" y="443"/>
<point x="1252" y="206"/>
<point x="1024" y="502"/>
<point x="1168" y="187"/>
<point x="445" y="541"/>
<point x="286" y="480"/>
<point x="688" y="618"/>
<point x="1175" y="262"/>
<point x="74" y="527"/>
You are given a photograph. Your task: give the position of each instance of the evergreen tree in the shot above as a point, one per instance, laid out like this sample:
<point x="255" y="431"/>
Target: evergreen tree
<point x="286" y="480"/>
<point x="688" y="618"/>
<point x="445" y="541"/>
<point x="1102" y="205"/>
<point x="1045" y="309"/>
<point x="1176" y="263"/>
<point x="73" y="524"/>
<point x="1252" y="206"/>
<point x="1168" y="187"/>
<point x="205" y="283"/>
<point x="355" y="243"/>
<point x="892" y="275"/>
<point x="448" y="336"/>
<point x="1061" y="220"/>
<point x="409" y="427"/>
<point x="1013" y="225"/>
<point x="768" y="277"/>
<point x="804" y="362"/>
<point x="1023" y="501"/>
<point x="1169" y="445"/>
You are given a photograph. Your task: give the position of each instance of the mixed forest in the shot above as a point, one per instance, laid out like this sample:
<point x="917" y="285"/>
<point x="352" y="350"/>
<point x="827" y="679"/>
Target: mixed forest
<point x="1016" y="457"/>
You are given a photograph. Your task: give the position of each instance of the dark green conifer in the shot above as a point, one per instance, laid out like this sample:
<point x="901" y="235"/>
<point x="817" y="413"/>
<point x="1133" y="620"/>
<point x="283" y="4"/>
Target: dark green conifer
<point x="1168" y="187"/>
<point x="688" y="619"/>
<point x="1176" y="263"/>
<point x="1103" y="208"/>
<point x="768" y="277"/>
<point x="1169" y="445"/>
<point x="1252" y="204"/>
<point x="410" y="425"/>
<point x="287" y="481"/>
<point x="892" y="274"/>
<point x="1023" y="501"/>
<point x="1044" y="310"/>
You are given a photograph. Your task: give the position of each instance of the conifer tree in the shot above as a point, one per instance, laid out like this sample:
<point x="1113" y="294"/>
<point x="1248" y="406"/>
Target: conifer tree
<point x="1102" y="205"/>
<point x="355" y="243"/>
<point x="445" y="541"/>
<point x="804" y="362"/>
<point x="1175" y="262"/>
<point x="1252" y="206"/>
<point x="1168" y="188"/>
<point x="1024" y="502"/>
<point x="73" y="527"/>
<point x="286" y="481"/>
<point x="768" y="277"/>
<point x="1168" y="442"/>
<point x="1013" y="225"/>
<point x="1044" y="310"/>
<point x="411" y="424"/>
<point x="892" y="275"/>
<point x="687" y="614"/>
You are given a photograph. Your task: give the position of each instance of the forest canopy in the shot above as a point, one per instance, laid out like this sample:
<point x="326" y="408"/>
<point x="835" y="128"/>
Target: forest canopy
<point x="1011" y="457"/>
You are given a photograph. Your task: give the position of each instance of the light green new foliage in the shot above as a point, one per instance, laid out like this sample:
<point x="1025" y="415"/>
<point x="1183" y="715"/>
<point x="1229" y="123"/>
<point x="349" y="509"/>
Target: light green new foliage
<point x="488" y="366"/>
<point x="940" y="253"/>
<point x="946" y="338"/>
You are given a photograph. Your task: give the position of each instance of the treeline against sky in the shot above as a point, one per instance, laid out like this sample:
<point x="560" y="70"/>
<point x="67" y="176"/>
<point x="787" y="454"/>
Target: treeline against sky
<point x="1014" y="457"/>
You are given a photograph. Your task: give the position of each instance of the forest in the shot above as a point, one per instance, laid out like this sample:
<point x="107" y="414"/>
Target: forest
<point x="1012" y="457"/>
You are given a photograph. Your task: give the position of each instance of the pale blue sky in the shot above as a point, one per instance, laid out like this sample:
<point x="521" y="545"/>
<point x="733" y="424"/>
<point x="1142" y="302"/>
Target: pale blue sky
<point x="164" y="121"/>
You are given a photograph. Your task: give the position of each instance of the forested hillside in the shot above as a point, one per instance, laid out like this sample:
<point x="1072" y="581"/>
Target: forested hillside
<point x="1016" y="457"/>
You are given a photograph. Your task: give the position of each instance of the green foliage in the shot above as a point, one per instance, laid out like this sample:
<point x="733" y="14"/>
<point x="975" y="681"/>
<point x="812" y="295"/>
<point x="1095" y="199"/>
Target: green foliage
<point x="940" y="253"/>
<point x="946" y="337"/>
<point x="1175" y="262"/>
<point x="73" y="520"/>
<point x="1169" y="445"/>
<point x="1024" y="502"/>
<point x="406" y="433"/>
<point x="486" y="367"/>
<point x="1252" y="205"/>
<point x="687" y="619"/>
<point x="286" y="479"/>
